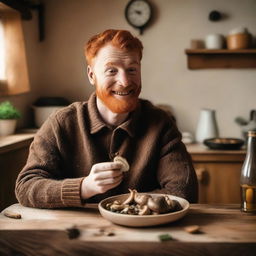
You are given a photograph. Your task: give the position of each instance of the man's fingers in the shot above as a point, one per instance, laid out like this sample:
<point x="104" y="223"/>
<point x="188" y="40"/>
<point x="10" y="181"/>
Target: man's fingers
<point x="100" y="167"/>
<point x="110" y="186"/>
<point x="110" y="181"/>
<point x="108" y="174"/>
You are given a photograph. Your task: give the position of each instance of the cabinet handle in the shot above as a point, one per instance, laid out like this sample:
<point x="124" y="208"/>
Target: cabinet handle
<point x="202" y="175"/>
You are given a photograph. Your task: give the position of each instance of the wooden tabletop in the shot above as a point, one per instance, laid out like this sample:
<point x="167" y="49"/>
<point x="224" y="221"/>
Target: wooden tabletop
<point x="224" y="230"/>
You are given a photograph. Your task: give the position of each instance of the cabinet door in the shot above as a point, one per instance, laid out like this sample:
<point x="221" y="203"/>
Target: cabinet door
<point x="218" y="182"/>
<point x="11" y="164"/>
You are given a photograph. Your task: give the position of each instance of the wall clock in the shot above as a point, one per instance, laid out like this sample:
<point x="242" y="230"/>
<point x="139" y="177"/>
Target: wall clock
<point x="138" y="14"/>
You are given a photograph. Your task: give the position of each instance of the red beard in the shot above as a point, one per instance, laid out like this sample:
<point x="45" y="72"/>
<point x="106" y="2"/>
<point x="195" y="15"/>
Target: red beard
<point x="117" y="105"/>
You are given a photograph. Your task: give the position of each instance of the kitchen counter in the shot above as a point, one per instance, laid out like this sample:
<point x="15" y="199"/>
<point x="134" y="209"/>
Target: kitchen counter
<point x="13" y="155"/>
<point x="224" y="230"/>
<point x="197" y="148"/>
<point x="15" y="141"/>
<point x="201" y="152"/>
<point x="27" y="135"/>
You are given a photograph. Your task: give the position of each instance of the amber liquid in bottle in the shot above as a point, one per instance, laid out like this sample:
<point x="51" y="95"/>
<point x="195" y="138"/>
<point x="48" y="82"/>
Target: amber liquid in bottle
<point x="248" y="194"/>
<point x="248" y="176"/>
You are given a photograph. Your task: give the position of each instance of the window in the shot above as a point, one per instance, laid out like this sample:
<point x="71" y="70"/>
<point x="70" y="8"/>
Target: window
<point x="2" y="53"/>
<point x="13" y="64"/>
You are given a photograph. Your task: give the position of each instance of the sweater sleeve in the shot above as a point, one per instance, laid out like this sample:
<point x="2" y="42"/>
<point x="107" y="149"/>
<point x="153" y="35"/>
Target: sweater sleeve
<point x="40" y="183"/>
<point x="176" y="174"/>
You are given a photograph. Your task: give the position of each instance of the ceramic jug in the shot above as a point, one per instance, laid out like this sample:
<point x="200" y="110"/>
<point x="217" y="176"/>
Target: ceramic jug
<point x="207" y="125"/>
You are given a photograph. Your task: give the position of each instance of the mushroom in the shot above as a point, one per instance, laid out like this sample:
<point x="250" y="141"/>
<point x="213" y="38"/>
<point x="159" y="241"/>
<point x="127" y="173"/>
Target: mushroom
<point x="177" y="206"/>
<point x="122" y="160"/>
<point x="144" y="210"/>
<point x="158" y="204"/>
<point x="117" y="207"/>
<point x="174" y="205"/>
<point x="117" y="202"/>
<point x="130" y="199"/>
<point x="144" y="204"/>
<point x="171" y="203"/>
<point x="125" y="210"/>
<point x="141" y="199"/>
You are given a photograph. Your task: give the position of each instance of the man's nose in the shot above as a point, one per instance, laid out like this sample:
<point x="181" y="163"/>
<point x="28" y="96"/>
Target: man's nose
<point x="123" y="79"/>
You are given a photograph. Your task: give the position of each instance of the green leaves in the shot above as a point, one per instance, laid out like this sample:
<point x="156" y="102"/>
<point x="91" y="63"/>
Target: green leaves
<point x="8" y="111"/>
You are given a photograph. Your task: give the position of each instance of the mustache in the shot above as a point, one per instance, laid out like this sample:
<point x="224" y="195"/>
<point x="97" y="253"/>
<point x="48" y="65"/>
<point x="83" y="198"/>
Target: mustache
<point x="119" y="105"/>
<point x="128" y="88"/>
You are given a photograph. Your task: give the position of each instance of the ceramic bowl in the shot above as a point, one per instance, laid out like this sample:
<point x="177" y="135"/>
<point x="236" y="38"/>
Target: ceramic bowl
<point x="145" y="220"/>
<point x="224" y="143"/>
<point x="239" y="41"/>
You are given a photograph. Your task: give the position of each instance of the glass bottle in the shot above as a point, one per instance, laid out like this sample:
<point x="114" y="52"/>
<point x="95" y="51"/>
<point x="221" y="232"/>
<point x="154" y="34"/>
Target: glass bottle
<point x="248" y="176"/>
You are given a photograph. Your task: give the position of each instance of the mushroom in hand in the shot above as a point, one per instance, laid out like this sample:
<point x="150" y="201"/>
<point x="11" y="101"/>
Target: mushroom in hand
<point x="122" y="160"/>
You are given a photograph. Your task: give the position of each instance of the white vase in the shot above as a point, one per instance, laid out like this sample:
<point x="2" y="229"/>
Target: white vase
<point x="214" y="41"/>
<point x="207" y="126"/>
<point x="7" y="126"/>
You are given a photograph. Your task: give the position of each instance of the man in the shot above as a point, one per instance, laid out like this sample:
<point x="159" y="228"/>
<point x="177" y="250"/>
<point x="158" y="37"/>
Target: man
<point x="70" y="161"/>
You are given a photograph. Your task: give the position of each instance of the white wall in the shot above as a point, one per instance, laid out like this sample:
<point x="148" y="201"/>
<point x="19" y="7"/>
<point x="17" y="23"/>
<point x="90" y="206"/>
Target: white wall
<point x="57" y="66"/>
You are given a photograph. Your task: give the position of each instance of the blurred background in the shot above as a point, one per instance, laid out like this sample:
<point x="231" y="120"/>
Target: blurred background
<point x="57" y="68"/>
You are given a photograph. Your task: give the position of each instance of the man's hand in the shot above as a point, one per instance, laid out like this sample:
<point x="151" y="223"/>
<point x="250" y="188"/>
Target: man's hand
<point x="102" y="177"/>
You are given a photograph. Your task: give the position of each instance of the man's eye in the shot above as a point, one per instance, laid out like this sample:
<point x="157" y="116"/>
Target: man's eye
<point x="111" y="71"/>
<point x="132" y="70"/>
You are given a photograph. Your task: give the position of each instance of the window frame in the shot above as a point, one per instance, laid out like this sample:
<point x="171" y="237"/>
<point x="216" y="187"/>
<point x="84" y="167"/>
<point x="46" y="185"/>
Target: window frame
<point x="17" y="79"/>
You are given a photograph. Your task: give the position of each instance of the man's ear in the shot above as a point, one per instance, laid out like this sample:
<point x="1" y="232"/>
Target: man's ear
<point x="91" y="75"/>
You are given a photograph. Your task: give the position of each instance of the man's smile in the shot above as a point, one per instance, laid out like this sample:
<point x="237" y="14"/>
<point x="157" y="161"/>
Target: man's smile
<point x="121" y="93"/>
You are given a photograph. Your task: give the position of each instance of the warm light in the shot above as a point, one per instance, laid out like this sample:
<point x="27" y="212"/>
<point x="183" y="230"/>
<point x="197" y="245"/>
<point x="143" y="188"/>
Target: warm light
<point x="2" y="53"/>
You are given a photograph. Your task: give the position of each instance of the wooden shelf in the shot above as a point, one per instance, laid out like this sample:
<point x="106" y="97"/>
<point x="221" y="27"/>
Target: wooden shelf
<point x="203" y="58"/>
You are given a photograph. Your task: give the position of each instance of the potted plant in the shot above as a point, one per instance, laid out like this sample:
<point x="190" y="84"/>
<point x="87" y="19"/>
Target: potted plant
<point x="8" y="118"/>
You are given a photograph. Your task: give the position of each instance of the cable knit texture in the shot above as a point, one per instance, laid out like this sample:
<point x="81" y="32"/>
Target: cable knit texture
<point x="75" y="138"/>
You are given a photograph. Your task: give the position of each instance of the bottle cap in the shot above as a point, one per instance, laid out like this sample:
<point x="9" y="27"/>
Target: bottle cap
<point x="252" y="134"/>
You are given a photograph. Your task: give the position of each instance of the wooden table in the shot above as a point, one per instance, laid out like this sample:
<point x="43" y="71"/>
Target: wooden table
<point x="224" y="231"/>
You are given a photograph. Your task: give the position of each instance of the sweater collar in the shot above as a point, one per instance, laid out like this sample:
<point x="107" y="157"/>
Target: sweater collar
<point x="96" y="122"/>
<point x="132" y="122"/>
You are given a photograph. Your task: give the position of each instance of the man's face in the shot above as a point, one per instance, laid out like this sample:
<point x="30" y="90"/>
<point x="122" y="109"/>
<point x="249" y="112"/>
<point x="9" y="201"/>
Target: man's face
<point x="117" y="77"/>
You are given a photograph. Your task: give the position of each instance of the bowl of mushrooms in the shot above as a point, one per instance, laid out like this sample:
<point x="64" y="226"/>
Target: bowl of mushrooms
<point x="143" y="209"/>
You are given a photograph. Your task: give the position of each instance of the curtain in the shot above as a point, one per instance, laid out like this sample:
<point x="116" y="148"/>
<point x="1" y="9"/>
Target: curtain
<point x="13" y="74"/>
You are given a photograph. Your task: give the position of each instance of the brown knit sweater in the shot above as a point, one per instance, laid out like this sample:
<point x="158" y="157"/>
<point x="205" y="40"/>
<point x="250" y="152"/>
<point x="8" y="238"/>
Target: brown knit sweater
<point x="75" y="138"/>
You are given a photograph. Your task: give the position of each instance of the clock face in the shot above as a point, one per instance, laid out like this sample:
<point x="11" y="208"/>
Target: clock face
<point x="138" y="13"/>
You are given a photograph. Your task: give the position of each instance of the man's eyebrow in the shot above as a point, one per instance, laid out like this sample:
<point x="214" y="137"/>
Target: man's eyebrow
<point x="134" y="62"/>
<point x="109" y="64"/>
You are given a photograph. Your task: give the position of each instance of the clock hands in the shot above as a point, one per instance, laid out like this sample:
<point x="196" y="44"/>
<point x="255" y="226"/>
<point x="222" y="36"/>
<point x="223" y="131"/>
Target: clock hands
<point x="138" y="14"/>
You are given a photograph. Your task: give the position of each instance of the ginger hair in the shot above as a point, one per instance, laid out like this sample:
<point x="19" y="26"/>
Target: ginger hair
<point x="121" y="39"/>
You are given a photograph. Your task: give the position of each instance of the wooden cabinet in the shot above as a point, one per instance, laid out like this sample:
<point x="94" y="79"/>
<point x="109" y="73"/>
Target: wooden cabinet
<point x="218" y="173"/>
<point x="203" y="58"/>
<point x="13" y="155"/>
